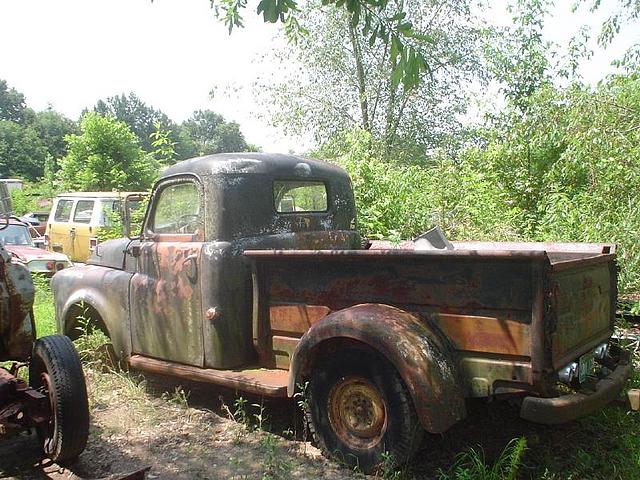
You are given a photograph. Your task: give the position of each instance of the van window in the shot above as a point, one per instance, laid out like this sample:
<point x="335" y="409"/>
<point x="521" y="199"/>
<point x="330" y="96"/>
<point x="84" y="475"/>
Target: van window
<point x="296" y="196"/>
<point x="63" y="211"/>
<point x="84" y="211"/>
<point x="177" y="210"/>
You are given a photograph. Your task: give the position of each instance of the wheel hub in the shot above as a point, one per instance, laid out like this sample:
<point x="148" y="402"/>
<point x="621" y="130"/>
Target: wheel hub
<point x="357" y="412"/>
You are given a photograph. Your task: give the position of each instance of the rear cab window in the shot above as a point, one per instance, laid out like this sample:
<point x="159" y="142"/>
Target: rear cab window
<point x="295" y="196"/>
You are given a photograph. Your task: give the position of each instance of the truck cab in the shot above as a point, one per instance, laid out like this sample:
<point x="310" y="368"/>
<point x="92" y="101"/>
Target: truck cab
<point x="250" y="273"/>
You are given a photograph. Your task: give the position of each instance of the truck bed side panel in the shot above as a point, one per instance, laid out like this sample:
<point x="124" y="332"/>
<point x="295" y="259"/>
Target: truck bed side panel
<point x="482" y="306"/>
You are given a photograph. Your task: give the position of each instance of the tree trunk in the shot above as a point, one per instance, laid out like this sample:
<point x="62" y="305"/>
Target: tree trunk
<point x="362" y="89"/>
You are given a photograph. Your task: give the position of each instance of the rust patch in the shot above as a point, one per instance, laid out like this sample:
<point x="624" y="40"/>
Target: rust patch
<point x="485" y="334"/>
<point x="261" y="381"/>
<point x="295" y="319"/>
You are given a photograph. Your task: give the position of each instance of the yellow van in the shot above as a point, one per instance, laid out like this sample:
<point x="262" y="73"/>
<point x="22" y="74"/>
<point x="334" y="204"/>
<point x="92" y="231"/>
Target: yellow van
<point x="76" y="218"/>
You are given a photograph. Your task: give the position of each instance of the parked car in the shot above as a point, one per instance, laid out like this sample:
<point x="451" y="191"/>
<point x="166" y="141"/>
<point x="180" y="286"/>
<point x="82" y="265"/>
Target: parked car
<point x="38" y="222"/>
<point x="76" y="218"/>
<point x="250" y="274"/>
<point x="18" y="241"/>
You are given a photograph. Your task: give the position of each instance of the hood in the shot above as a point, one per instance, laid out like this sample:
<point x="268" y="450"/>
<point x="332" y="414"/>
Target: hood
<point x="27" y="253"/>
<point x="110" y="253"/>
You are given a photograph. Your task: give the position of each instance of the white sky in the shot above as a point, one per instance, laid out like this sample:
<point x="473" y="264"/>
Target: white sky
<point x="171" y="53"/>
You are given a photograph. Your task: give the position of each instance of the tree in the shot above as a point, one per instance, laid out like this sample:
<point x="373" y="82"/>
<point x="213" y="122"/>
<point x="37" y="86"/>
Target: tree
<point x="137" y="115"/>
<point x="377" y="20"/>
<point x="346" y="81"/>
<point x="519" y="59"/>
<point x="210" y="133"/>
<point x="105" y="156"/>
<point x="21" y="151"/>
<point x="13" y="105"/>
<point x="627" y="13"/>
<point x="52" y="128"/>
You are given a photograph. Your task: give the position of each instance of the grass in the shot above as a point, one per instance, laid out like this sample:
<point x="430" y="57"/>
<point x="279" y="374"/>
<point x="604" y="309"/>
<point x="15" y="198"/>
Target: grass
<point x="472" y="464"/>
<point x="44" y="307"/>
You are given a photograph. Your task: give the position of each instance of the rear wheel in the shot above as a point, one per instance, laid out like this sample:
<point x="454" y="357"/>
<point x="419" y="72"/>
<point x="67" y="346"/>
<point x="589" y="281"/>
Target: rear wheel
<point x="56" y="371"/>
<point x="359" y="409"/>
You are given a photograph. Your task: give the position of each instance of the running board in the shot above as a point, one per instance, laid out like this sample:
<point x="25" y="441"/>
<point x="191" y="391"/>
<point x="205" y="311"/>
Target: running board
<point x="260" y="381"/>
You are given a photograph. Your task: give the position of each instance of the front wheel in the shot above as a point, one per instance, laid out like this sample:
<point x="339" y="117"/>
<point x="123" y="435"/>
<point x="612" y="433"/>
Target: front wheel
<point x="359" y="409"/>
<point x="56" y="371"/>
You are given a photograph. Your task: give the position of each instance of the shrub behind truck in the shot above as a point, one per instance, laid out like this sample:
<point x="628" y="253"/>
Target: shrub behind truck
<point x="250" y="273"/>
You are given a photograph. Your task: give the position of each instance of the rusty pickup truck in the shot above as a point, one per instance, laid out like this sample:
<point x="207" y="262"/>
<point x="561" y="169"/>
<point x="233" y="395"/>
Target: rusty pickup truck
<point x="250" y="273"/>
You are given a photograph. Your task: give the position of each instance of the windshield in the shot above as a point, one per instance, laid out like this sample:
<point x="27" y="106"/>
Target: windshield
<point x="15" y="235"/>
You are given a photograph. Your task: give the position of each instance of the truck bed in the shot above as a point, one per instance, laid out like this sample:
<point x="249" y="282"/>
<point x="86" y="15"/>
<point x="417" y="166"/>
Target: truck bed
<point x="517" y="309"/>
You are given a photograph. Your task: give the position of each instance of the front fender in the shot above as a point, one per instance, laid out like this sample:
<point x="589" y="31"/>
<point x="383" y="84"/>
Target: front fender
<point x="421" y="359"/>
<point x="105" y="290"/>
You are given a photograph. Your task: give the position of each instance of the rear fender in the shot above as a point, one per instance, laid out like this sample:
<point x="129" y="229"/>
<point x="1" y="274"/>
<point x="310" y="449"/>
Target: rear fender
<point x="413" y="348"/>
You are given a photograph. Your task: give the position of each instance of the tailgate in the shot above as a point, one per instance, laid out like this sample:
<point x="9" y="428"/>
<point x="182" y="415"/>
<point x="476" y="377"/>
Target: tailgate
<point x="583" y="296"/>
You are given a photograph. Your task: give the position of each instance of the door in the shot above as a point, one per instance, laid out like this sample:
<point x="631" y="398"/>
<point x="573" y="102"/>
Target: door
<point x="58" y="228"/>
<point x="165" y="296"/>
<point x="82" y="229"/>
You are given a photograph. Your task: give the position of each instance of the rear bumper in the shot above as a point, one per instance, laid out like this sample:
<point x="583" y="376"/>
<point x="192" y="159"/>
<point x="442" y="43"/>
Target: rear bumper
<point x="566" y="408"/>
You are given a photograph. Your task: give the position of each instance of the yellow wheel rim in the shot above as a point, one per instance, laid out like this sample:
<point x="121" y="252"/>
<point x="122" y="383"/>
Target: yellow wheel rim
<point x="357" y="412"/>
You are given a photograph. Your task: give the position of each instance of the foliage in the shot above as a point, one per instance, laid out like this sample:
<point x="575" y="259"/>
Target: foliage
<point x="21" y="152"/>
<point x="141" y="119"/>
<point x="163" y="147"/>
<point x="210" y="133"/>
<point x="345" y="81"/>
<point x="105" y="156"/>
<point x="627" y="14"/>
<point x="31" y="197"/>
<point x="472" y="465"/>
<point x="13" y="106"/>
<point x="400" y="200"/>
<point x="28" y="139"/>
<point x="519" y="60"/>
<point x="373" y="18"/>
<point x="52" y="127"/>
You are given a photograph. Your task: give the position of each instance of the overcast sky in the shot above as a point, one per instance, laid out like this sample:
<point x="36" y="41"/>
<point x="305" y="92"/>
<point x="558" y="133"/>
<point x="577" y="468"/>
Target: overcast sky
<point x="171" y="53"/>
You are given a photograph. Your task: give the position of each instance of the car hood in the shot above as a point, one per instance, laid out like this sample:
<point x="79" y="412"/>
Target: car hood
<point x="27" y="253"/>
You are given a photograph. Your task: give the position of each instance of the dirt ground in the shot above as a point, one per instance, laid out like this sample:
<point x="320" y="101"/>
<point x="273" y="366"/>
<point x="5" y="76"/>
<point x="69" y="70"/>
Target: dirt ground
<point x="150" y="423"/>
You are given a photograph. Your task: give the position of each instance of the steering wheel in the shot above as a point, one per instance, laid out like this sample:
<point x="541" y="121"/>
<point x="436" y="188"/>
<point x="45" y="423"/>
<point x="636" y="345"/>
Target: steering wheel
<point x="188" y="223"/>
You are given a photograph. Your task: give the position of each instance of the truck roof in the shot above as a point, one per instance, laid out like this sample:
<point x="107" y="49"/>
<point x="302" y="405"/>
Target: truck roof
<point x="116" y="194"/>
<point x="253" y="163"/>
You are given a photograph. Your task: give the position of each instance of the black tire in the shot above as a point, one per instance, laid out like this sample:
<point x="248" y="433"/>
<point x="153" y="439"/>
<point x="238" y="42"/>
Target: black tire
<point x="56" y="371"/>
<point x="361" y="383"/>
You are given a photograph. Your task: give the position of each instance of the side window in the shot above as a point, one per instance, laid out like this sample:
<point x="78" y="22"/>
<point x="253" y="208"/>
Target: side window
<point x="84" y="211"/>
<point x="296" y="196"/>
<point x="63" y="211"/>
<point x="177" y="210"/>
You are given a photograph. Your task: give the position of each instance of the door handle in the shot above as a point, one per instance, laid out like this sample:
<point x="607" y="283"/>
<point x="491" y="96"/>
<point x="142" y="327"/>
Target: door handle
<point x="191" y="267"/>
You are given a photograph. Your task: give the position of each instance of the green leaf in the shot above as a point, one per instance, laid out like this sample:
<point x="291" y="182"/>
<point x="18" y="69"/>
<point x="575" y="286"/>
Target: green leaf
<point x="397" y="74"/>
<point x="269" y="10"/>
<point x="396" y="48"/>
